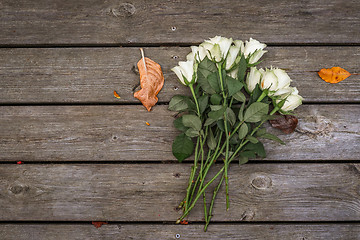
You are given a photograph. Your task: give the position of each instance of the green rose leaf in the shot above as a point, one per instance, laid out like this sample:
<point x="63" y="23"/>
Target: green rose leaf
<point x="242" y="68"/>
<point x="257" y="148"/>
<point x="182" y="147"/>
<point x="203" y="102"/>
<point x="231" y="118"/>
<point x="272" y="137"/>
<point x="233" y="85"/>
<point x="218" y="114"/>
<point x="243" y="130"/>
<point x="178" y="103"/>
<point x="255" y="112"/>
<point x="178" y="124"/>
<point x="203" y="82"/>
<point x="243" y="160"/>
<point x="252" y="139"/>
<point x="214" y="82"/>
<point x="209" y="121"/>
<point x="192" y="121"/>
<point x="211" y="142"/>
<point x="192" y="133"/>
<point x="241" y="112"/>
<point x="215" y="99"/>
<point x="239" y="96"/>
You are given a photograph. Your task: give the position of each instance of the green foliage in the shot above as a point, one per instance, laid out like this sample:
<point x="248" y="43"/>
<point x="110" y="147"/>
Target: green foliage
<point x="182" y="147"/>
<point x="256" y="111"/>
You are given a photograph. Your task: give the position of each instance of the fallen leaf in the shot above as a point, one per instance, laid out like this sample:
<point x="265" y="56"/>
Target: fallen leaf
<point x="184" y="222"/>
<point x="151" y="81"/>
<point x="19" y="162"/>
<point x="286" y="123"/>
<point x="116" y="95"/>
<point x="334" y="74"/>
<point x="98" y="224"/>
<point x="147" y="123"/>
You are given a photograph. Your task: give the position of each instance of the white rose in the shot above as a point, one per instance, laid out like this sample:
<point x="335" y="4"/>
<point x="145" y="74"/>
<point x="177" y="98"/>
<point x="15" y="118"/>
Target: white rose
<point x="253" y="78"/>
<point x="217" y="47"/>
<point x="252" y="45"/>
<point x="256" y="56"/>
<point x="291" y="102"/>
<point x="185" y="72"/>
<point x="269" y="80"/>
<point x="233" y="73"/>
<point x="283" y="78"/>
<point x="231" y="57"/>
<point x="197" y="53"/>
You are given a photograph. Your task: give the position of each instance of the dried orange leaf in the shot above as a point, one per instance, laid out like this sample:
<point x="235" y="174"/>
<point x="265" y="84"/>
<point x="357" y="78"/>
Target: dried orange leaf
<point x="116" y="95"/>
<point x="151" y="81"/>
<point x="147" y="123"/>
<point x="334" y="74"/>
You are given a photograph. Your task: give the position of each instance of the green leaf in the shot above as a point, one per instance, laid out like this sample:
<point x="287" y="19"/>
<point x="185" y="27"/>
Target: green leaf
<point x="215" y="99"/>
<point x="178" y="103"/>
<point x="260" y="132"/>
<point x="216" y="115"/>
<point x="255" y="112"/>
<point x="221" y="125"/>
<point x="214" y="82"/>
<point x="233" y="85"/>
<point x="243" y="131"/>
<point x="192" y="133"/>
<point x="192" y="121"/>
<point x="230" y="116"/>
<point x="207" y="64"/>
<point x="252" y="139"/>
<point x="258" y="148"/>
<point x="242" y="68"/>
<point x="248" y="154"/>
<point x="240" y="96"/>
<point x="203" y="82"/>
<point x="241" y="112"/>
<point x="209" y="121"/>
<point x="272" y="137"/>
<point x="178" y="124"/>
<point x="203" y="103"/>
<point x="255" y="94"/>
<point x="234" y="140"/>
<point x="211" y="142"/>
<point x="216" y="107"/>
<point x="243" y="160"/>
<point x="269" y="117"/>
<point x="182" y="147"/>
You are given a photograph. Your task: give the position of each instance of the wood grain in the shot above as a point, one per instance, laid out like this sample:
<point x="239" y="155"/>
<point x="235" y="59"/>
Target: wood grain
<point x="193" y="231"/>
<point x="124" y="22"/>
<point x="90" y="75"/>
<point x="151" y="192"/>
<point x="111" y="133"/>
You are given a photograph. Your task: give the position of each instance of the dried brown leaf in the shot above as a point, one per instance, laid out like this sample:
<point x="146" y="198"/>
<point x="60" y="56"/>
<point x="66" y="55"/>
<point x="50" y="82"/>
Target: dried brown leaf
<point x="286" y="123"/>
<point x="151" y="81"/>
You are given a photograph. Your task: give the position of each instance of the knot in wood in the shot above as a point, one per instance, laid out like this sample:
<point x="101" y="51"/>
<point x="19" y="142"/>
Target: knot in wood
<point x="124" y="10"/>
<point x="17" y="189"/>
<point x="261" y="182"/>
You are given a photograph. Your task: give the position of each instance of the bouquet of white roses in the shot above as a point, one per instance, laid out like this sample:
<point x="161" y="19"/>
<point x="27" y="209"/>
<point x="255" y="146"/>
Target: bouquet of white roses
<point x="231" y="100"/>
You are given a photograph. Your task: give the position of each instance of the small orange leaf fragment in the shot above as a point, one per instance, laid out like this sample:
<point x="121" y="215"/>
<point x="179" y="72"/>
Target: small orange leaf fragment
<point x="98" y="224"/>
<point x="116" y="95"/>
<point x="334" y="74"/>
<point x="184" y="222"/>
<point x="147" y="123"/>
<point x="151" y="81"/>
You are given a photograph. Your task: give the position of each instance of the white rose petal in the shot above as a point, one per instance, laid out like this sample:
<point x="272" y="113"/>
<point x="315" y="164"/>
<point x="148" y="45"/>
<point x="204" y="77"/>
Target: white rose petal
<point x="283" y="78"/>
<point x="178" y="71"/>
<point x="256" y="56"/>
<point x="292" y="102"/>
<point x="252" y="45"/>
<point x="253" y="78"/>
<point x="283" y="91"/>
<point x="269" y="81"/>
<point x="231" y="57"/>
<point x="240" y="44"/>
<point x="233" y="73"/>
<point x="188" y="69"/>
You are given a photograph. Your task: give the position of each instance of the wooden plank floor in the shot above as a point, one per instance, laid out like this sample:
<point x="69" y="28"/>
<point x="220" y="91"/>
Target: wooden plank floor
<point x="90" y="157"/>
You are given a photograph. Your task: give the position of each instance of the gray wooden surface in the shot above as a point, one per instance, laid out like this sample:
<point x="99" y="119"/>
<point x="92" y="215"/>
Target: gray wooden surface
<point x="151" y="192"/>
<point x="104" y="133"/>
<point x="90" y="157"/>
<point x="193" y="231"/>
<point x="90" y="75"/>
<point x="149" y="22"/>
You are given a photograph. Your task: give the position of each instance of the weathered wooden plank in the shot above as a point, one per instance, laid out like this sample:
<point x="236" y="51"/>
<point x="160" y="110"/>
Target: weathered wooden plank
<point x="151" y="192"/>
<point x="119" y="22"/>
<point x="215" y="231"/>
<point x="98" y="133"/>
<point x="90" y="75"/>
